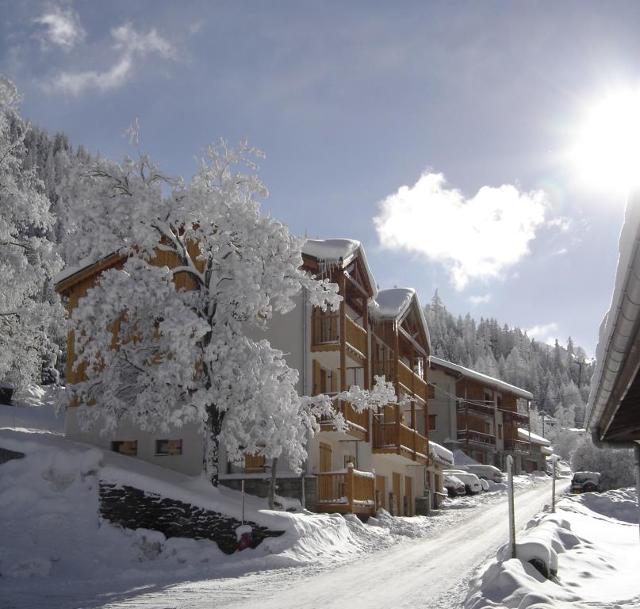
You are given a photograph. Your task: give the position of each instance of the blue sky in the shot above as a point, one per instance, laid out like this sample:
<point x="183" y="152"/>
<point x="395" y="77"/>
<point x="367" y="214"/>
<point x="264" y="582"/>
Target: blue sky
<point x="434" y="132"/>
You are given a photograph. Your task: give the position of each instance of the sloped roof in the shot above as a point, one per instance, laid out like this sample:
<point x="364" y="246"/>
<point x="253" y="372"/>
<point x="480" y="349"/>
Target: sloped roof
<point x="482" y="378"/>
<point x="524" y="434"/>
<point x="333" y="251"/>
<point x="393" y="303"/>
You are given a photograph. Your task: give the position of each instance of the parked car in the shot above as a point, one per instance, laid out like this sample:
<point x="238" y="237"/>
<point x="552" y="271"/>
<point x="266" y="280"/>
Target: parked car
<point x="485" y="484"/>
<point x="471" y="481"/>
<point x="488" y="472"/>
<point x="454" y="486"/>
<point x="585" y="482"/>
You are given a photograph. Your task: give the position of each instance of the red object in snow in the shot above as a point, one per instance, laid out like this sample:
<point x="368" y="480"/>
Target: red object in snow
<point x="246" y="541"/>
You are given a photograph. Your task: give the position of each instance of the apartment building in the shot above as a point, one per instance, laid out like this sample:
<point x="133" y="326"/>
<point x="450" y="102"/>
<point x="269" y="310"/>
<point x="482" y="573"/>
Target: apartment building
<point x="478" y="414"/>
<point x="380" y="459"/>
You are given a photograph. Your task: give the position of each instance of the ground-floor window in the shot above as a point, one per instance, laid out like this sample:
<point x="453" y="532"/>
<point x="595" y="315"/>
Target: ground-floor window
<point x="125" y="447"/>
<point x="168" y="447"/>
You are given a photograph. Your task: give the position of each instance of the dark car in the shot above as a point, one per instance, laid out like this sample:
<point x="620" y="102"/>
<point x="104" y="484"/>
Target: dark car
<point x="585" y="482"/>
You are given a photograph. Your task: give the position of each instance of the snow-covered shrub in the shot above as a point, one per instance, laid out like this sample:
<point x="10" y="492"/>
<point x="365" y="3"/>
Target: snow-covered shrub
<point x="616" y="465"/>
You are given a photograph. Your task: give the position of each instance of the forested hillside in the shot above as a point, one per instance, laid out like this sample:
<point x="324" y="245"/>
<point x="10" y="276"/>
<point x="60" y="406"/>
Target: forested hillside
<point x="557" y="376"/>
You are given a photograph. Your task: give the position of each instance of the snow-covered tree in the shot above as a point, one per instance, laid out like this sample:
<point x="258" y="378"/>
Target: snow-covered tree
<point x="615" y="465"/>
<point x="163" y="356"/>
<point x="28" y="261"/>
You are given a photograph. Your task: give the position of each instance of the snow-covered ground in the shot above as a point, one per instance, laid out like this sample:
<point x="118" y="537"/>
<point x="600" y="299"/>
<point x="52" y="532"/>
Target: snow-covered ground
<point x="57" y="552"/>
<point x="591" y="544"/>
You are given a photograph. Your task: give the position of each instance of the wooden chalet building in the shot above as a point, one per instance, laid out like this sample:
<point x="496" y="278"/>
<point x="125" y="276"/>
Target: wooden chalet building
<point x="477" y="414"/>
<point x="381" y="459"/>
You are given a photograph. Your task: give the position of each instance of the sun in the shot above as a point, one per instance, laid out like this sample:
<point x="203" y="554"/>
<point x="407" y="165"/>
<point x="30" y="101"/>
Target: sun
<point x="607" y="150"/>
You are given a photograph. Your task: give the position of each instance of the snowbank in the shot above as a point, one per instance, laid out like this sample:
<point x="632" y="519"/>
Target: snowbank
<point x="586" y="552"/>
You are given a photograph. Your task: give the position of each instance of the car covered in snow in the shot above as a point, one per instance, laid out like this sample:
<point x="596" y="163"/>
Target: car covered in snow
<point x="471" y="481"/>
<point x="585" y="482"/>
<point x="488" y="472"/>
<point x="454" y="486"/>
<point x="485" y="484"/>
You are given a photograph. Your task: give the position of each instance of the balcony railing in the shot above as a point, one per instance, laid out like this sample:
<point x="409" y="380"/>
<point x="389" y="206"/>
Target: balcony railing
<point x="357" y="336"/>
<point x="325" y="330"/>
<point x="411" y="380"/>
<point x="476" y="437"/>
<point x="347" y="491"/>
<point x="517" y="446"/>
<point x="393" y="436"/>
<point x="475" y="406"/>
<point x="359" y="420"/>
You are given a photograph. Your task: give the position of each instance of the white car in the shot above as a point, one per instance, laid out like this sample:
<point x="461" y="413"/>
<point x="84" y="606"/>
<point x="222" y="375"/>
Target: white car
<point x="471" y="481"/>
<point x="488" y="472"/>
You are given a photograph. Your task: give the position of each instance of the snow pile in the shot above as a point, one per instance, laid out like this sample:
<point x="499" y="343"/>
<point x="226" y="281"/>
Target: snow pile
<point x="33" y="408"/>
<point x="441" y="454"/>
<point x="415" y="526"/>
<point x="585" y="553"/>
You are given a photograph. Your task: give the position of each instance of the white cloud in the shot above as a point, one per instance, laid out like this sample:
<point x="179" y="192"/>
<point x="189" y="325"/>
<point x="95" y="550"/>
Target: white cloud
<point x="132" y="46"/>
<point x="480" y="299"/>
<point x="544" y="333"/>
<point x="62" y="28"/>
<point x="475" y="238"/>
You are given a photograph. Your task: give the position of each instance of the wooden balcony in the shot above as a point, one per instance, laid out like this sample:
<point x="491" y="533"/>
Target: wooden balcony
<point x="516" y="446"/>
<point x="347" y="491"/>
<point x="411" y="381"/>
<point x="357" y="422"/>
<point x="512" y="415"/>
<point x="475" y="406"/>
<point x="325" y="335"/>
<point x="394" y="437"/>
<point x="471" y="436"/>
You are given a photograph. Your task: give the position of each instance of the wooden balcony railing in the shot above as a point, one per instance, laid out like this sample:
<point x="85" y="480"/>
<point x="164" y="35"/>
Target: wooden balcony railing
<point x="393" y="436"/>
<point x="357" y="336"/>
<point x="515" y="416"/>
<point x="517" y="446"/>
<point x="475" y="406"/>
<point x="411" y="380"/>
<point x="476" y="437"/>
<point x="360" y="420"/>
<point x="347" y="491"/>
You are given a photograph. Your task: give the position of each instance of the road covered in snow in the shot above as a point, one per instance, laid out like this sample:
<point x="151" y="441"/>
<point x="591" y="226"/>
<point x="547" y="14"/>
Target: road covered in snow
<point x="420" y="573"/>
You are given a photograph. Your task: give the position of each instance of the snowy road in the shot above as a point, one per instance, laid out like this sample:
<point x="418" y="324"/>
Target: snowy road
<point x="428" y="573"/>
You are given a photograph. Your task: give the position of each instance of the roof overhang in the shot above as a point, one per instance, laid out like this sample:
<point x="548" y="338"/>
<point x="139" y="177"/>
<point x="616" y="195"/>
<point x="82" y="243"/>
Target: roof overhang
<point x="489" y="381"/>
<point x="613" y="411"/>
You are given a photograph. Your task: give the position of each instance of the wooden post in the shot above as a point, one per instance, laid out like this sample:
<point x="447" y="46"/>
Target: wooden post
<point x="343" y="331"/>
<point x="365" y="323"/>
<point x="553" y="486"/>
<point x="350" y="486"/>
<point x="510" y="499"/>
<point x="242" y="490"/>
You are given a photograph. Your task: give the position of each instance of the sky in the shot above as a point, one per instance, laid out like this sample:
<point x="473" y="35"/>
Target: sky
<point x="441" y="135"/>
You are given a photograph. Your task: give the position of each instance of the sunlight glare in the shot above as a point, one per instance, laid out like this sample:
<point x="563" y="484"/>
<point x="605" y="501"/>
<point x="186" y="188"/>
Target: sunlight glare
<point x="607" y="153"/>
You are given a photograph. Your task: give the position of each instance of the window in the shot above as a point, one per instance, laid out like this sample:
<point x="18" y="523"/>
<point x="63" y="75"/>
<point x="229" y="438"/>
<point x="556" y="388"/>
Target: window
<point x="499" y="431"/>
<point x="488" y="396"/>
<point x="125" y="447"/>
<point x="499" y="401"/>
<point x="432" y="421"/>
<point x="350" y="459"/>
<point x="168" y="447"/>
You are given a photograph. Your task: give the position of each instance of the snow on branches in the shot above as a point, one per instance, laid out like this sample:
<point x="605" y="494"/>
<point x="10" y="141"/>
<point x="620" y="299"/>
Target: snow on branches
<point x="184" y="354"/>
<point x="27" y="257"/>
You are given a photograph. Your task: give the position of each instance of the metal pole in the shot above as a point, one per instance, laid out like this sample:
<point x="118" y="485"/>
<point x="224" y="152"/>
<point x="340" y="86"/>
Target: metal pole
<point x="512" y="515"/>
<point x="636" y="450"/>
<point x="553" y="486"/>
<point x="303" y="491"/>
<point x="242" y="488"/>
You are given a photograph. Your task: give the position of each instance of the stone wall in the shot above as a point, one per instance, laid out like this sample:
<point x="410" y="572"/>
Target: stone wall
<point x="134" y="509"/>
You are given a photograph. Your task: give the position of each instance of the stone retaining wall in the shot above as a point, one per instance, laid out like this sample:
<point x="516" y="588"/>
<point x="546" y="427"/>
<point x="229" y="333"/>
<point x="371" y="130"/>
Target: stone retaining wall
<point x="135" y="509"/>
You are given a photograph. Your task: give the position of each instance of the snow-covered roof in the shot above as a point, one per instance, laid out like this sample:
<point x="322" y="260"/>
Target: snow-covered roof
<point x="619" y="328"/>
<point x="334" y="250"/>
<point x="81" y="265"/>
<point x="524" y="434"/>
<point x="394" y="302"/>
<point x="441" y="454"/>
<point x="483" y="378"/>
